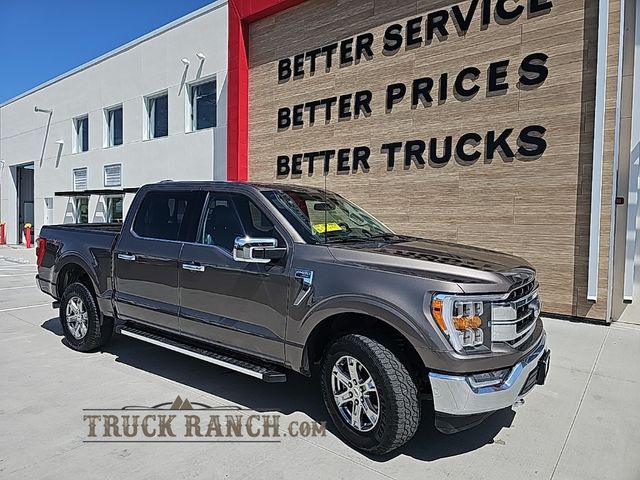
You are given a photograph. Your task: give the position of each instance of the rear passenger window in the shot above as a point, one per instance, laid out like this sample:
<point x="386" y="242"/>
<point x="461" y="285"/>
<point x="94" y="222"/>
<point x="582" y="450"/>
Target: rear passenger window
<point x="229" y="216"/>
<point x="169" y="215"/>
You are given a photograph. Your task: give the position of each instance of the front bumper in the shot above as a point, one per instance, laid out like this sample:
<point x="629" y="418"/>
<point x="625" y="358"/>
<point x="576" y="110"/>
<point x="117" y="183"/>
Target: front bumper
<point x="455" y="395"/>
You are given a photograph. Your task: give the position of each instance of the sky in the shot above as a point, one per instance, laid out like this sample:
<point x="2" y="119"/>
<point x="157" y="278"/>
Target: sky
<point x="40" y="39"/>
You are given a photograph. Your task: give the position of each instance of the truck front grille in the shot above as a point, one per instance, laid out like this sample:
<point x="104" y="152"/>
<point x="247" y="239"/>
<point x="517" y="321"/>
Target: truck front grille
<point x="522" y="291"/>
<point x="513" y="319"/>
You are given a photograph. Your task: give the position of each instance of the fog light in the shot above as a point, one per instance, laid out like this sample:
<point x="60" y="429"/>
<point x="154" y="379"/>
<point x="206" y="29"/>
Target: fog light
<point x="488" y="379"/>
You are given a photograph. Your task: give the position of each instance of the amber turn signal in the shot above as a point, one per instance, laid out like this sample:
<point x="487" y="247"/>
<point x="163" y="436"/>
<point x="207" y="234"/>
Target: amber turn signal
<point x="462" y="323"/>
<point x="436" y="311"/>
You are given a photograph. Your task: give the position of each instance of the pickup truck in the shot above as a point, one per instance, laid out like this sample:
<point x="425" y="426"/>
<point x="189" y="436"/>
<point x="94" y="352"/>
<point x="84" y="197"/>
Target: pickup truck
<point x="272" y="279"/>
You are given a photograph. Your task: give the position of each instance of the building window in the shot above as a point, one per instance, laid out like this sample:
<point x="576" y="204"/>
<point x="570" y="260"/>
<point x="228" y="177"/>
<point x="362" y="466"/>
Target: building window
<point x="113" y="175"/>
<point x="113" y="117"/>
<point x="80" y="204"/>
<point x="81" y="209"/>
<point x="81" y="137"/>
<point x="80" y="179"/>
<point x="157" y="116"/>
<point x="202" y="98"/>
<point x="114" y="209"/>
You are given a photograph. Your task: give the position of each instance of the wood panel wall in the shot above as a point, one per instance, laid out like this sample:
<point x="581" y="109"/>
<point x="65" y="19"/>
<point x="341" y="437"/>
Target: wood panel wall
<point x="535" y="209"/>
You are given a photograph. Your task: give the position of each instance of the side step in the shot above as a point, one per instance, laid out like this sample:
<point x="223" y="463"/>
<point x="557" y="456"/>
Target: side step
<point x="264" y="373"/>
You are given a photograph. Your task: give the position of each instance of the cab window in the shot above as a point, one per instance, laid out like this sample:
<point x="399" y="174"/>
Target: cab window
<point x="232" y="215"/>
<point x="169" y="215"/>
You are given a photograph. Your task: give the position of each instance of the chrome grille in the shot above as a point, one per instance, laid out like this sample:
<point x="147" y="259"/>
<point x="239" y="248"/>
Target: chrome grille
<point x="522" y="291"/>
<point x="513" y="319"/>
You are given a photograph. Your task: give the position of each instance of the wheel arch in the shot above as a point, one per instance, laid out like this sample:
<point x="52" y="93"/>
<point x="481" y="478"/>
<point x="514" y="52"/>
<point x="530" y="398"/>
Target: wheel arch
<point x="376" y="322"/>
<point x="73" y="268"/>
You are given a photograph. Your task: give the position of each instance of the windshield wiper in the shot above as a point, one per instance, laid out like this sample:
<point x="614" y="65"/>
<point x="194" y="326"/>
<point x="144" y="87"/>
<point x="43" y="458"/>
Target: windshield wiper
<point x="372" y="238"/>
<point x="349" y="239"/>
<point x="388" y="236"/>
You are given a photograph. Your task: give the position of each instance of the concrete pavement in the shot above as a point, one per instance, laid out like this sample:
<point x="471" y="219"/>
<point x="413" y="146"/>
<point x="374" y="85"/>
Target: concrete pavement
<point x="584" y="424"/>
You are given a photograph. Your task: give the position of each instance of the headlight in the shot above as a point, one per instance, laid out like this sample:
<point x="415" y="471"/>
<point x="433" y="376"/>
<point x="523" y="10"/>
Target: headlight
<point x="463" y="321"/>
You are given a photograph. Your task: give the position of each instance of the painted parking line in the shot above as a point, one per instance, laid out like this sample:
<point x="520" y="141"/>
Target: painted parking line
<point x="16" y="288"/>
<point x="24" y="308"/>
<point x="17" y="275"/>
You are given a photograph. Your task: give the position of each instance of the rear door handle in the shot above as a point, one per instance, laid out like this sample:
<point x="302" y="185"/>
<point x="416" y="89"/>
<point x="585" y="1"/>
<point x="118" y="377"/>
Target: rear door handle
<point x="127" y="257"/>
<point x="193" y="267"/>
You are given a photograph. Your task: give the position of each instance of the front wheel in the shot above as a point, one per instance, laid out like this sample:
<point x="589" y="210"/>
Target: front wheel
<point x="83" y="327"/>
<point x="370" y="395"/>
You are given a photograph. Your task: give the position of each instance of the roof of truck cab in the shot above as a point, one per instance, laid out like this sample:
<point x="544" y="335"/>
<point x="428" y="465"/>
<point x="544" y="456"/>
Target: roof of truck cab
<point x="241" y="185"/>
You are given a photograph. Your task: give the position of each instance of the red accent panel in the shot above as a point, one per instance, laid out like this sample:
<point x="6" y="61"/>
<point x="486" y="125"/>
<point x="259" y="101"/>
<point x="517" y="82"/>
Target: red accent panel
<point x="241" y="13"/>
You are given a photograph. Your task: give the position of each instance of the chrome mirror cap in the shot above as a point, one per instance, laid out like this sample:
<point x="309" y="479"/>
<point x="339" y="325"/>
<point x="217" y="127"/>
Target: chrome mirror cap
<point x="256" y="250"/>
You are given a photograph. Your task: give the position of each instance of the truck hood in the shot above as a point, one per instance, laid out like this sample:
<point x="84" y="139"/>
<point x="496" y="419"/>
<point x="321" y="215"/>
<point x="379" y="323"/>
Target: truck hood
<point x="472" y="269"/>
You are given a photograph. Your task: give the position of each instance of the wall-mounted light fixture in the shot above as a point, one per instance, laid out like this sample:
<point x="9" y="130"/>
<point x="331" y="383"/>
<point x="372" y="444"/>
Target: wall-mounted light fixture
<point x="201" y="56"/>
<point x="42" y="110"/>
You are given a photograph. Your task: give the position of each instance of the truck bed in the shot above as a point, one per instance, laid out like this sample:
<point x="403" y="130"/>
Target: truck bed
<point x="89" y="244"/>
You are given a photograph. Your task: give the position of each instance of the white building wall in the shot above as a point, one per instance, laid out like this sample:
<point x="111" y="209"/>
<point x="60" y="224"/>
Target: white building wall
<point x="126" y="76"/>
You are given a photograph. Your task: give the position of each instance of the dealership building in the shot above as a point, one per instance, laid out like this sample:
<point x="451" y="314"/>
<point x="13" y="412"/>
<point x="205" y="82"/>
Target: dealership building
<point x="512" y="125"/>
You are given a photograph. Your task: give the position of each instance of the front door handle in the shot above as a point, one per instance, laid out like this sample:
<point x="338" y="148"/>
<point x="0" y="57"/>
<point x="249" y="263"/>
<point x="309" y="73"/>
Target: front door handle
<point x="127" y="257"/>
<point x="193" y="267"/>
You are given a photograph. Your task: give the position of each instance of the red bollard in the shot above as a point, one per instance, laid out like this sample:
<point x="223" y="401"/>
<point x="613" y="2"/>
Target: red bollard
<point x="3" y="239"/>
<point x="27" y="235"/>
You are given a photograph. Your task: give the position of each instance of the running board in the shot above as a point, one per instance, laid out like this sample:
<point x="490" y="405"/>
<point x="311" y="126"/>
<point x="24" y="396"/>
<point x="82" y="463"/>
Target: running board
<point x="264" y="373"/>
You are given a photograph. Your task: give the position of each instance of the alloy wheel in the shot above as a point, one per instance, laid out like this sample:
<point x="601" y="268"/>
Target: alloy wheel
<point x="77" y="317"/>
<point x="355" y="394"/>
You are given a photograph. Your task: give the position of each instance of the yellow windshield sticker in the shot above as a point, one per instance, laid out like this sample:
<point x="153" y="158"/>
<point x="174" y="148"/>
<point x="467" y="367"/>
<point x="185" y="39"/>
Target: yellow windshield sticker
<point x="331" y="227"/>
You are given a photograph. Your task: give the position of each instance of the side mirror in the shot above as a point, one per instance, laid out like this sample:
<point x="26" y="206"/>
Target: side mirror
<point x="256" y="250"/>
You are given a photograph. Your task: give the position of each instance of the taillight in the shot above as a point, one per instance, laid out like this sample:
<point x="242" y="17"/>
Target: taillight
<point x="41" y="247"/>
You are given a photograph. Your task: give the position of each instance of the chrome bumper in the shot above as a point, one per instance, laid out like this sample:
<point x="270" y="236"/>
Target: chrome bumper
<point x="455" y="395"/>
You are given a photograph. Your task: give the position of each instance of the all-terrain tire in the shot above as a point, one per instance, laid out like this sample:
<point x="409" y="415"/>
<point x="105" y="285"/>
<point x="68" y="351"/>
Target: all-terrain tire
<point x="98" y="329"/>
<point x="398" y="406"/>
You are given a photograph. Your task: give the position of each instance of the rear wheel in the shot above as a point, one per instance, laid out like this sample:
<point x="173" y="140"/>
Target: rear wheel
<point x="84" y="329"/>
<point x="369" y="394"/>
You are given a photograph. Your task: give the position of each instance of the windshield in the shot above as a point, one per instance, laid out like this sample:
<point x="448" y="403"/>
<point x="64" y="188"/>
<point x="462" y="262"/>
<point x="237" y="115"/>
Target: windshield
<point x="321" y="218"/>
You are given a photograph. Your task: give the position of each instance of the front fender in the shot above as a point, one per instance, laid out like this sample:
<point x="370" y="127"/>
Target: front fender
<point x="415" y="329"/>
<point x="373" y="307"/>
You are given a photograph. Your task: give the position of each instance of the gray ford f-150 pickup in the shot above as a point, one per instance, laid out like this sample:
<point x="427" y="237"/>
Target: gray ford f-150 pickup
<point x="263" y="279"/>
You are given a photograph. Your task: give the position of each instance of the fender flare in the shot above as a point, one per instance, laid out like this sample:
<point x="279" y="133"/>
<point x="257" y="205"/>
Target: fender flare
<point x="75" y="258"/>
<point x="390" y="314"/>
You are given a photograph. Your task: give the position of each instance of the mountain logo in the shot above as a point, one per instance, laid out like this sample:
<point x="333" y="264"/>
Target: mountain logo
<point x="179" y="404"/>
